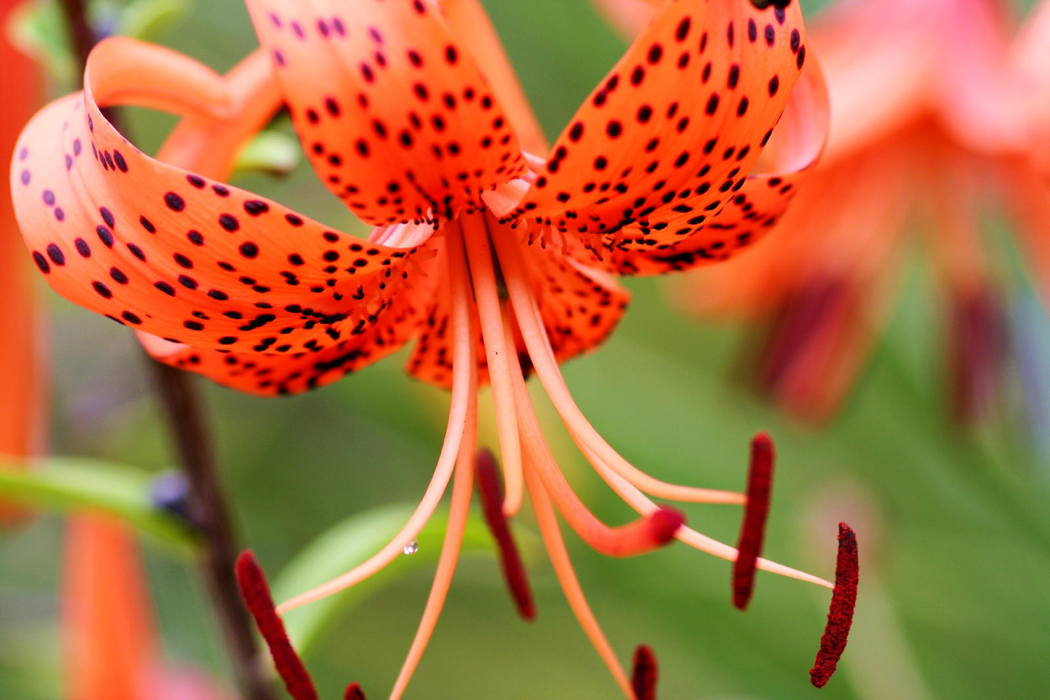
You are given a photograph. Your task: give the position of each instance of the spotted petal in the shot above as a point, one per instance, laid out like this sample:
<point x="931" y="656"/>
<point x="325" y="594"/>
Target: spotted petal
<point x="749" y="214"/>
<point x="276" y="374"/>
<point x="173" y="253"/>
<point x="395" y="117"/>
<point x="676" y="126"/>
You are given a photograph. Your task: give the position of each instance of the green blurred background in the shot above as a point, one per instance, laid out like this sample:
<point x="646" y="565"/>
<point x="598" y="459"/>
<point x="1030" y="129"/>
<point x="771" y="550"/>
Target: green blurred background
<point x="955" y="601"/>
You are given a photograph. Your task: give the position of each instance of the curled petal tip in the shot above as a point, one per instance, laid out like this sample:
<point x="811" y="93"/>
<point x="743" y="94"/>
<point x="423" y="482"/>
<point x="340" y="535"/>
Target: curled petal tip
<point x="645" y="674"/>
<point x="843" y="603"/>
<point x="753" y="528"/>
<point x="255" y="592"/>
<point x="666" y="522"/>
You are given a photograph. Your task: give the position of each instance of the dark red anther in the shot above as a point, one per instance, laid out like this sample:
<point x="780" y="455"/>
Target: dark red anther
<point x="753" y="528"/>
<point x="510" y="559"/>
<point x="798" y="327"/>
<point x="645" y="675"/>
<point x="354" y="692"/>
<point x="979" y="352"/>
<point x="843" y="602"/>
<point x="255" y="592"/>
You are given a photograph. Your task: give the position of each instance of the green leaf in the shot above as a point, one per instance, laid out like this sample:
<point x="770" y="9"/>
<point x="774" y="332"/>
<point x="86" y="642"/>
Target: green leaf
<point x="270" y="152"/>
<point x="149" y="20"/>
<point x="39" y="30"/>
<point x="354" y="540"/>
<point x="69" y="484"/>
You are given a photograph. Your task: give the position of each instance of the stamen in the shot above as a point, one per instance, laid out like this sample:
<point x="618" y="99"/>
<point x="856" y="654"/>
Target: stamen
<point x="645" y="673"/>
<point x="497" y="351"/>
<point x="464" y="393"/>
<point x="255" y="592"/>
<point x="843" y="603"/>
<point x="546" y="366"/>
<point x="354" y="692"/>
<point x="637" y="500"/>
<point x="510" y="559"/>
<point x="463" y="485"/>
<point x="653" y="530"/>
<point x="559" y="556"/>
<point x="753" y="529"/>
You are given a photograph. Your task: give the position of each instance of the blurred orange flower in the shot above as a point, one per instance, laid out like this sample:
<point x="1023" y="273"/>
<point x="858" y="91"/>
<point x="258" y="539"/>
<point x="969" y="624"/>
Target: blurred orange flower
<point x="930" y="122"/>
<point x="110" y="647"/>
<point x="23" y="396"/>
<point x="497" y="260"/>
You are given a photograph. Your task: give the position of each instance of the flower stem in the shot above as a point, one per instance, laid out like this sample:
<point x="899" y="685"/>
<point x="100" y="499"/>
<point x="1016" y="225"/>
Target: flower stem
<point x="188" y="427"/>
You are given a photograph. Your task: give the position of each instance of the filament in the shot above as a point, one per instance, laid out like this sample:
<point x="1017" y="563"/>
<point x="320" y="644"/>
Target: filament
<point x="475" y="233"/>
<point x="463" y="485"/>
<point x="464" y="394"/>
<point x="637" y="500"/>
<point x="559" y="556"/>
<point x="550" y="376"/>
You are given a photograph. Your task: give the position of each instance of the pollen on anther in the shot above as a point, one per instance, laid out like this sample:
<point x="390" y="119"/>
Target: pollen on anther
<point x="354" y="692"/>
<point x="510" y="559"/>
<point x="840" y="615"/>
<point x="255" y="592"/>
<point x="645" y="674"/>
<point x="753" y="528"/>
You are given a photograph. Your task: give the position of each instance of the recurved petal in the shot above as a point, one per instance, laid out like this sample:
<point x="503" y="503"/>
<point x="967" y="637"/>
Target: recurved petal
<point x="1030" y="59"/>
<point x="285" y="372"/>
<point x="888" y="48"/>
<point x="172" y="253"/>
<point x="689" y="236"/>
<point x="983" y="102"/>
<point x="681" y="119"/>
<point x="394" y="115"/>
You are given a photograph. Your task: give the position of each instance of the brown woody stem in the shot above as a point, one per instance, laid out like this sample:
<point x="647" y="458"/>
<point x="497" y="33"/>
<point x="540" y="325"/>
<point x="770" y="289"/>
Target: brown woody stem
<point x="208" y="506"/>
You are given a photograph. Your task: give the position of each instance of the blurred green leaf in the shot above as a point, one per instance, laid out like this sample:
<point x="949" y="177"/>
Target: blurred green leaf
<point x="38" y="29"/>
<point x="149" y="20"/>
<point x="271" y="152"/>
<point x="353" y="541"/>
<point x="69" y="484"/>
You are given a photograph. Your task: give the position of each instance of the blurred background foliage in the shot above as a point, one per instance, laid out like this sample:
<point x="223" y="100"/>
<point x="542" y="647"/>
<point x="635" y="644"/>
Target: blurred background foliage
<point x="954" y="526"/>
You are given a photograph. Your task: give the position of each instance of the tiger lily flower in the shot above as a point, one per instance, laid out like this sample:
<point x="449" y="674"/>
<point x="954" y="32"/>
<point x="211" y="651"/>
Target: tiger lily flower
<point x="110" y="647"/>
<point x="929" y="121"/>
<point x="496" y="260"/>
<point x="21" y="403"/>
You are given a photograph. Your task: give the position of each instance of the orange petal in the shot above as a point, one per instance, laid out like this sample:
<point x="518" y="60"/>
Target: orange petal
<point x="467" y="19"/>
<point x="983" y="102"/>
<point x="678" y="123"/>
<point x="688" y="236"/>
<point x="887" y="48"/>
<point x="394" y="115"/>
<point x="110" y="648"/>
<point x="168" y="252"/>
<point x="275" y="374"/>
<point x="1030" y="58"/>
